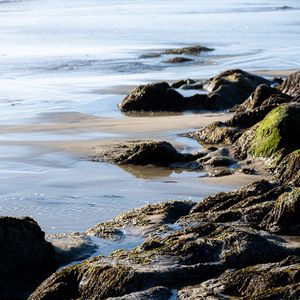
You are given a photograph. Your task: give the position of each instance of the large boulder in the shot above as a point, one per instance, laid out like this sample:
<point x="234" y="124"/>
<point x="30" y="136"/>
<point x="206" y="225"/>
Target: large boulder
<point x="26" y="258"/>
<point x="153" y="97"/>
<point x="291" y="86"/>
<point x="141" y="153"/>
<point x="275" y="136"/>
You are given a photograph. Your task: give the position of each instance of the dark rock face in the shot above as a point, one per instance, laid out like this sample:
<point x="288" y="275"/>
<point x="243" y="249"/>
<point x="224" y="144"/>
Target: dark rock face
<point x="232" y="87"/>
<point x="153" y="97"/>
<point x="225" y="91"/>
<point x="284" y="218"/>
<point x="291" y="86"/>
<point x="265" y="281"/>
<point x="26" y="258"/>
<point x="288" y="170"/>
<point x="142" y="153"/>
<point x="180" y="83"/>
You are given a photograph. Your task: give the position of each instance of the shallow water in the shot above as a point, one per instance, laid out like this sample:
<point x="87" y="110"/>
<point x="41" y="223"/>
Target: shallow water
<point x="61" y="60"/>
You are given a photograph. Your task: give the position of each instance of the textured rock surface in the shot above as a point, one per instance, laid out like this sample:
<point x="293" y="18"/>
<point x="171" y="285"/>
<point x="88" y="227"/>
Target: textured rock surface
<point x="265" y="281"/>
<point x="26" y="258"/>
<point x="291" y="86"/>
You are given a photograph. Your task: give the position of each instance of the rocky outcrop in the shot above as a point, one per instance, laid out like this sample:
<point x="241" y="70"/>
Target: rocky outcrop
<point x="224" y="91"/>
<point x="147" y="219"/>
<point x="265" y="281"/>
<point x="191" y="50"/>
<point x="26" y="258"/>
<point x="291" y="86"/>
<point x="178" y="60"/>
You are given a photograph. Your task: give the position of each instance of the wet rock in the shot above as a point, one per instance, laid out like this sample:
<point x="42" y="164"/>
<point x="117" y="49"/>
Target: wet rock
<point x="192" y="50"/>
<point x="193" y="86"/>
<point x="278" y="280"/>
<point x="248" y="171"/>
<point x="184" y="257"/>
<point x="291" y="86"/>
<point x="274" y="136"/>
<point x="216" y="133"/>
<point x="220" y="161"/>
<point x="153" y="97"/>
<point x="147" y="218"/>
<point x="26" y="258"/>
<point x="180" y="83"/>
<point x="288" y="170"/>
<point x="178" y="60"/>
<point x="284" y="218"/>
<point x="232" y="87"/>
<point x="142" y="153"/>
<point x="156" y="293"/>
<point x="220" y="172"/>
<point x="72" y="247"/>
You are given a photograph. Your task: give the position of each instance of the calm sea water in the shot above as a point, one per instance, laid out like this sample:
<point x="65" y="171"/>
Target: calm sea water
<point x="59" y="56"/>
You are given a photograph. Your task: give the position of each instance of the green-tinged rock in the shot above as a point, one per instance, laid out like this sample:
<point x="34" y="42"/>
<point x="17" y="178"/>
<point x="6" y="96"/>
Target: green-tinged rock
<point x="275" y="136"/>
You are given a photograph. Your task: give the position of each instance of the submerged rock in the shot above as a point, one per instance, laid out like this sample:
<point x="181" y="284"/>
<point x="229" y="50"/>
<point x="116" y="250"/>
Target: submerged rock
<point x="26" y="258"/>
<point x="192" y="50"/>
<point x="178" y="59"/>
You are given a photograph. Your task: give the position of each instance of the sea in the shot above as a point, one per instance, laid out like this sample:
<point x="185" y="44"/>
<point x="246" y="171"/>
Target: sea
<point x="62" y="61"/>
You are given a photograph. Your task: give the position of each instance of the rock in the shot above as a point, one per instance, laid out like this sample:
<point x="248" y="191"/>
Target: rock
<point x="147" y="218"/>
<point x="156" y="293"/>
<point x="26" y="258"/>
<point x="179" y="83"/>
<point x="258" y="97"/>
<point x="174" y="260"/>
<point x="274" y="136"/>
<point x="291" y="86"/>
<point x="248" y="171"/>
<point x="232" y="87"/>
<point x="193" y="86"/>
<point x="178" y="59"/>
<point x="278" y="280"/>
<point x="153" y="97"/>
<point x="142" y="153"/>
<point x="288" y="170"/>
<point x="220" y="161"/>
<point x="284" y="218"/>
<point x="220" y="172"/>
<point x="216" y="133"/>
<point x="70" y="247"/>
<point x="192" y="50"/>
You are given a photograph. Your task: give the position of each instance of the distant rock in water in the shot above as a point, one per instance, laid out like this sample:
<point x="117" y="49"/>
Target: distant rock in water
<point x="178" y="60"/>
<point x="192" y="50"/>
<point x="26" y="258"/>
<point x="224" y="91"/>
